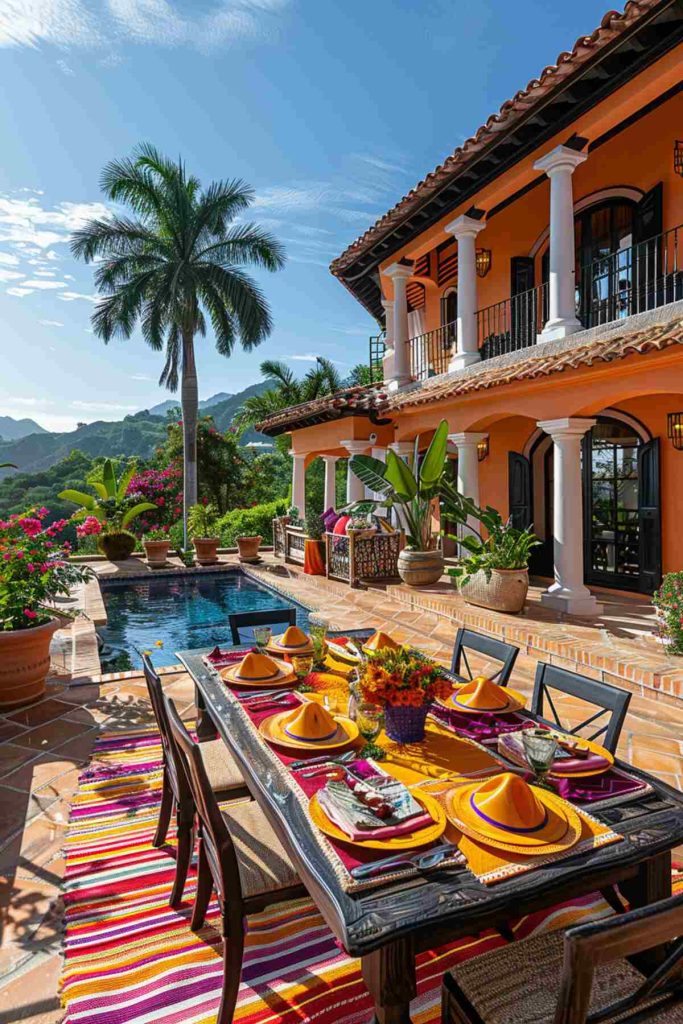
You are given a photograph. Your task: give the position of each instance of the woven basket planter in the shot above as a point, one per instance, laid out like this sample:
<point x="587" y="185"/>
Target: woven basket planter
<point x="405" y="724"/>
<point x="420" y="568"/>
<point x="505" y="591"/>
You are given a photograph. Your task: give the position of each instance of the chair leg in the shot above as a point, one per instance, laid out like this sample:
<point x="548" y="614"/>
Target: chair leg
<point x="233" y="952"/>
<point x="611" y="896"/>
<point x="165" y="812"/>
<point x="183" y="858"/>
<point x="204" y="890"/>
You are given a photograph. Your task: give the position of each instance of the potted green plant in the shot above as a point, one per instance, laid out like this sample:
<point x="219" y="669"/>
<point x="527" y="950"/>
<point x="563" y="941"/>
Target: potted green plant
<point x="413" y="492"/>
<point x="35" y="571"/>
<point x="113" y="508"/>
<point x="492" y="571"/>
<point x="157" y="545"/>
<point x="202" y="526"/>
<point x="314" y="549"/>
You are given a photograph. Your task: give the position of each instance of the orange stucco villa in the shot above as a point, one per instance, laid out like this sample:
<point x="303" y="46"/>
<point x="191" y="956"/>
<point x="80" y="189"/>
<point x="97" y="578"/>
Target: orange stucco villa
<point x="529" y="291"/>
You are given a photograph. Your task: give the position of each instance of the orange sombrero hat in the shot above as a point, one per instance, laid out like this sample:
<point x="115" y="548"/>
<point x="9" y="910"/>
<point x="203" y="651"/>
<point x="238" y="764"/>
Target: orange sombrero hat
<point x="309" y="727"/>
<point x="293" y="641"/>
<point x="507" y="812"/>
<point x="258" y="670"/>
<point x="380" y="641"/>
<point x="482" y="696"/>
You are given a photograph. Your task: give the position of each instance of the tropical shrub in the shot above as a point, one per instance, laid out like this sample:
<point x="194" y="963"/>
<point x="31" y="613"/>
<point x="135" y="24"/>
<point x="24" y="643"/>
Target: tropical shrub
<point x="668" y="601"/>
<point x="504" y="547"/>
<point x="413" y="490"/>
<point x="221" y="464"/>
<point x="202" y="521"/>
<point x="110" y="504"/>
<point x="163" y="489"/>
<point x="249" y="522"/>
<point x="34" y="569"/>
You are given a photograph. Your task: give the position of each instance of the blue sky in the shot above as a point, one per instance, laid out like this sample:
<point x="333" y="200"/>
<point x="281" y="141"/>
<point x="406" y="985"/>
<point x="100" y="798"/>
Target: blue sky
<point x="331" y="109"/>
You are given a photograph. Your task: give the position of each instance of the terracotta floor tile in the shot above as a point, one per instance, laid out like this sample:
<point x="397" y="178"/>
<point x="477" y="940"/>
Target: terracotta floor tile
<point x="9" y="729"/>
<point x="78" y="748"/>
<point x="34" y="849"/>
<point x="38" y="714"/>
<point x="49" y="736"/>
<point x="39" y="772"/>
<point x="12" y="756"/>
<point x="33" y="995"/>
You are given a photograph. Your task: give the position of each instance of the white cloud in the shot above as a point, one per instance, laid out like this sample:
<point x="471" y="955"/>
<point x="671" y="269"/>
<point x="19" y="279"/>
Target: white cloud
<point x="8" y="259"/>
<point x="32" y="401"/>
<point x="104" y="406"/>
<point x="9" y="275"/>
<point x="42" y="285"/>
<point x="304" y="357"/>
<point x="20" y="292"/>
<point x="140" y="376"/>
<point x="90" y="25"/>
<point x="65" y="68"/>
<point x="51" y="323"/>
<point x="29" y="227"/>
<point x="44" y="273"/>
<point x="71" y="296"/>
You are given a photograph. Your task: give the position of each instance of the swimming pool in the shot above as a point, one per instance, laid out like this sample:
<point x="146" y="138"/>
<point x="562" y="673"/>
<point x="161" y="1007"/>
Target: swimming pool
<point x="181" y="611"/>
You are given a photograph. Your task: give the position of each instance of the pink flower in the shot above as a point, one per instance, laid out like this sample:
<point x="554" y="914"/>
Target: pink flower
<point x="30" y="614"/>
<point x="30" y="526"/>
<point x="31" y="567"/>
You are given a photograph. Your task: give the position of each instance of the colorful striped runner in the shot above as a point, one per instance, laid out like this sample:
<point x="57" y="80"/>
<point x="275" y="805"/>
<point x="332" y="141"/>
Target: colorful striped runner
<point x="130" y="959"/>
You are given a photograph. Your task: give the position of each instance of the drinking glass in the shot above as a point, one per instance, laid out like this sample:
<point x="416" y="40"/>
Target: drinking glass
<point x="540" y="748"/>
<point x="369" y="721"/>
<point x="302" y="664"/>
<point x="262" y="635"/>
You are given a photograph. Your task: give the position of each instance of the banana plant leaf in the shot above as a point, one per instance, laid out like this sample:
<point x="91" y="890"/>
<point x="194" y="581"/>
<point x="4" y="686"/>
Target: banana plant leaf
<point x="434" y="461"/>
<point x="78" y="498"/>
<point x="401" y="478"/>
<point x="372" y="473"/>
<point x="137" y="510"/>
<point x="123" y="483"/>
<point x="101" y="489"/>
<point x="109" y="478"/>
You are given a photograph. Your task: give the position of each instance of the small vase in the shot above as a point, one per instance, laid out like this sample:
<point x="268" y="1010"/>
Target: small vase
<point x="405" y="724"/>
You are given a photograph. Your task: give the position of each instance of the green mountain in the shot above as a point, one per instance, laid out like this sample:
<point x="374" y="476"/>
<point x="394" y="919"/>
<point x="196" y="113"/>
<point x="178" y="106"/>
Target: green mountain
<point x="12" y="430"/>
<point x="163" y="408"/>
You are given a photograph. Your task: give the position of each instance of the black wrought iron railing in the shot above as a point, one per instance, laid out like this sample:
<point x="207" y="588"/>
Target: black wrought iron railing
<point x="512" y="324"/>
<point x="430" y="352"/>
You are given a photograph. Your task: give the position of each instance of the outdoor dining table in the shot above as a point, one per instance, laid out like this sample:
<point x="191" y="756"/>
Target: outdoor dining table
<point x="388" y="926"/>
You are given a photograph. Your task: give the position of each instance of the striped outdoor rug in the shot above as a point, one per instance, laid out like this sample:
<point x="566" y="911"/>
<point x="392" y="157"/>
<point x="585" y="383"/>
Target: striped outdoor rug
<point x="130" y="959"/>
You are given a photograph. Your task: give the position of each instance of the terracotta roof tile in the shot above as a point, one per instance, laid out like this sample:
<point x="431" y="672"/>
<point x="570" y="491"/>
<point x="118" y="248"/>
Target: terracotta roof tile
<point x="586" y="48"/>
<point x="361" y="399"/>
<point x="538" y="364"/>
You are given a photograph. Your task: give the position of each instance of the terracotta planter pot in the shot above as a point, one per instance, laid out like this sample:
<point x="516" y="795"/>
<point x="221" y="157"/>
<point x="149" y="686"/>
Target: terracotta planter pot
<point x="420" y="568"/>
<point x="157" y="552"/>
<point x="205" y="549"/>
<point x="248" y="548"/>
<point x="24" y="664"/>
<point x="117" y="547"/>
<point x="505" y="592"/>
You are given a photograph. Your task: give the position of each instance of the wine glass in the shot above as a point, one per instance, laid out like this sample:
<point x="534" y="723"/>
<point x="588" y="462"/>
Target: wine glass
<point x="369" y="721"/>
<point x="540" y="747"/>
<point x="262" y="635"/>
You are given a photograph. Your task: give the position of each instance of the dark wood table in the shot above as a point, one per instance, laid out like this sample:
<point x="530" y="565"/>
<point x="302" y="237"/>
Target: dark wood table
<point x="388" y="926"/>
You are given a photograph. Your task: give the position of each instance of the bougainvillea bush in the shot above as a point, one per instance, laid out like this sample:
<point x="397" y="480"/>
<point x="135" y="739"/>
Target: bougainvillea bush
<point x="668" y="601"/>
<point x="34" y="569"/>
<point x="163" y="488"/>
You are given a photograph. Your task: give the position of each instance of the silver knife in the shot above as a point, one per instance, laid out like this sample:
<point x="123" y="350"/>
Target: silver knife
<point x="420" y="861"/>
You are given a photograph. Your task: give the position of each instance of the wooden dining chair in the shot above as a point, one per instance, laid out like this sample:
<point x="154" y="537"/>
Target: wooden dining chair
<point x="242" y="622"/>
<point x="468" y="640"/>
<point x="612" y="703"/>
<point x="239" y="856"/>
<point x="223" y="774"/>
<point x="581" y="977"/>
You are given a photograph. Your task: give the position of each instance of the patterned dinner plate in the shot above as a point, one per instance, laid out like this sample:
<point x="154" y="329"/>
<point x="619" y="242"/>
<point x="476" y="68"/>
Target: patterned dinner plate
<point x="408" y="841"/>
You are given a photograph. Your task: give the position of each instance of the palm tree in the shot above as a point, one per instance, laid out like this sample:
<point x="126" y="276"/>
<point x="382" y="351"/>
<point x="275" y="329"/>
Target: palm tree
<point x="172" y="267"/>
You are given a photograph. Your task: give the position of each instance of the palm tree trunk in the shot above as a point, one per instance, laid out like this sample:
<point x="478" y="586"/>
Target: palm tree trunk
<point x="189" y="397"/>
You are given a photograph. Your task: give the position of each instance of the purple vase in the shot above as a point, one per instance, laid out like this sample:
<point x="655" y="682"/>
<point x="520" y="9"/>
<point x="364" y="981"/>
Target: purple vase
<point x="405" y="724"/>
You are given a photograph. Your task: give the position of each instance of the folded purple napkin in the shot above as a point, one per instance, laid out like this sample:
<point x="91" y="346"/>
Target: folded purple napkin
<point x="479" y="727"/>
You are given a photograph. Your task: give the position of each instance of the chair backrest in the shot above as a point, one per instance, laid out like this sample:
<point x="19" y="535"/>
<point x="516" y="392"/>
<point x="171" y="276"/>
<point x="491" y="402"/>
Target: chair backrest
<point x="589" y="946"/>
<point x="612" y="703"/>
<point x="216" y="838"/>
<point x="242" y="622"/>
<point x="174" y="771"/>
<point x="497" y="650"/>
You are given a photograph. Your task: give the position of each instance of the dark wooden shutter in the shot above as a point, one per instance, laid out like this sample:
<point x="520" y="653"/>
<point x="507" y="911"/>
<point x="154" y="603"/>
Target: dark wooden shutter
<point x="648" y="225"/>
<point x="520" y="505"/>
<point x="523" y="326"/>
<point x="649" y="516"/>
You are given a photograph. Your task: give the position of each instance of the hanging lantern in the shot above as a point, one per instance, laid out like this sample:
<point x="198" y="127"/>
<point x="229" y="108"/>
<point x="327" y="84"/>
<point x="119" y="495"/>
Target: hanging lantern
<point x="674" y="423"/>
<point x="482" y="449"/>
<point x="678" y="157"/>
<point x="482" y="261"/>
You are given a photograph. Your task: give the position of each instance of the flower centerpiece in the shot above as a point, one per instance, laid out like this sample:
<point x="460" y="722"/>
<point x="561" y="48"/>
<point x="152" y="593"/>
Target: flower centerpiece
<point x="34" y="571"/>
<point x="405" y="684"/>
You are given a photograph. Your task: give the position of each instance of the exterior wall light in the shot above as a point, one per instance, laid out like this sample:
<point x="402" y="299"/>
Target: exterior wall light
<point x="678" y="157"/>
<point x="482" y="261"/>
<point x="483" y="449"/>
<point x="674" y="431"/>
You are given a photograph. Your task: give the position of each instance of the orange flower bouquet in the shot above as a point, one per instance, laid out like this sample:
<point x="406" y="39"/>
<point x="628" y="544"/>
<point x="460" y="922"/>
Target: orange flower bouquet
<point x="405" y="683"/>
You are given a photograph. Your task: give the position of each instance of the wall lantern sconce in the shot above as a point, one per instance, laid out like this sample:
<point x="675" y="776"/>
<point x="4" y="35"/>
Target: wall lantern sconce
<point x="482" y="261"/>
<point x="674" y="431"/>
<point x="483" y="449"/>
<point x="678" y="157"/>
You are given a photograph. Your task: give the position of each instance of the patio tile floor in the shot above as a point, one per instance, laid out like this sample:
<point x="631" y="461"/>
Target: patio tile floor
<point x="44" y="748"/>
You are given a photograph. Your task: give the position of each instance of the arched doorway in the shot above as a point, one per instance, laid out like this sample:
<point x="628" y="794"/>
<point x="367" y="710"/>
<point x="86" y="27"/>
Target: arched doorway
<point x="621" y="507"/>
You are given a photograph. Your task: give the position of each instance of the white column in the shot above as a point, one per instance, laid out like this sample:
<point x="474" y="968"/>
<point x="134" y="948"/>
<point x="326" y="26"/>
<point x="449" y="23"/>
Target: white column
<point x="330" y="481"/>
<point x="355" y="488"/>
<point x="465" y="230"/>
<point x="399" y="273"/>
<point x="468" y="467"/>
<point x="388" y="361"/>
<point x="568" y="593"/>
<point x="299" y="482"/>
<point x="559" y="165"/>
